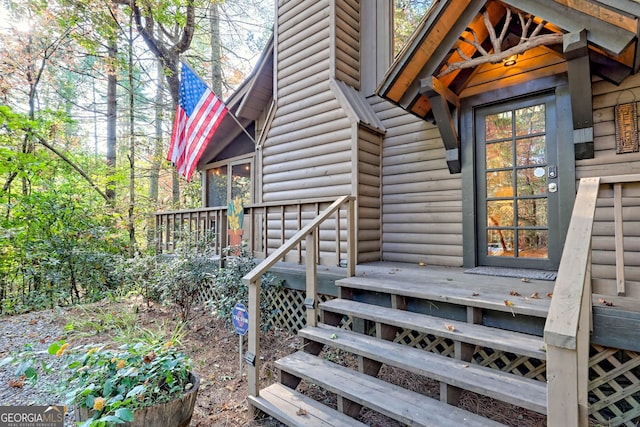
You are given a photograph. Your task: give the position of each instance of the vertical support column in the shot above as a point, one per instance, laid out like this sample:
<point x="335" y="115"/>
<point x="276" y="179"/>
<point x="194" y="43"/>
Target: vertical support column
<point x="576" y="51"/>
<point x="253" y="345"/>
<point x="310" y="301"/>
<point x="351" y="238"/>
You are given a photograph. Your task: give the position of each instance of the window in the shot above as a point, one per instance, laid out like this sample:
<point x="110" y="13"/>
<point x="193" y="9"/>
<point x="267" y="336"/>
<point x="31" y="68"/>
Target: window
<point x="223" y="186"/>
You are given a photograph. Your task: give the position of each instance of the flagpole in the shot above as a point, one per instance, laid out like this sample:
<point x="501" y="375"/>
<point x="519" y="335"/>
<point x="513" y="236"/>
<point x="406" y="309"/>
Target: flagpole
<point x="230" y="113"/>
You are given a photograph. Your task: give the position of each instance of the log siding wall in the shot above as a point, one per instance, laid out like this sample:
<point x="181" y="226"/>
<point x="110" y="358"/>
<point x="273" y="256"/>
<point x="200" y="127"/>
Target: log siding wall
<point x="606" y="162"/>
<point x="421" y="201"/>
<point x="369" y="193"/>
<point x="309" y="149"/>
<point x="347" y="42"/>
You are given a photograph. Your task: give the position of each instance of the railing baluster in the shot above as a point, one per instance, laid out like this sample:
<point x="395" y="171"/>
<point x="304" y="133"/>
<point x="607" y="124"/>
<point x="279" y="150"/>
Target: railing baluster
<point x="619" y="238"/>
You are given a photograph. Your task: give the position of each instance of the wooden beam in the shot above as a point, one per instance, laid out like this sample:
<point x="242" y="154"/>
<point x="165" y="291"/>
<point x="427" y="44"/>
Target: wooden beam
<point x="439" y="96"/>
<point x="609" y="37"/>
<point x="576" y="50"/>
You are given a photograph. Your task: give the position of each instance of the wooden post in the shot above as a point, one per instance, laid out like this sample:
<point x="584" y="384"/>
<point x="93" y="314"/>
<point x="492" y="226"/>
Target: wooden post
<point x="562" y="387"/>
<point x="351" y="239"/>
<point x="619" y="238"/>
<point x="253" y="344"/>
<point x="312" y="278"/>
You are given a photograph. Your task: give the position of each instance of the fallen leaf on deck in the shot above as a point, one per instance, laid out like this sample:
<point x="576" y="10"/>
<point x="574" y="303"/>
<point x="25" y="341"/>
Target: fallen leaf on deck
<point x="475" y="294"/>
<point x="465" y="366"/>
<point x="605" y="302"/>
<point x="421" y="264"/>
<point x="16" y="383"/>
<point x="508" y="303"/>
<point x="301" y="412"/>
<point x="334" y="336"/>
<point x="550" y="295"/>
<point x="449" y="327"/>
<point x="514" y="294"/>
<point x="525" y="280"/>
<point x="535" y="296"/>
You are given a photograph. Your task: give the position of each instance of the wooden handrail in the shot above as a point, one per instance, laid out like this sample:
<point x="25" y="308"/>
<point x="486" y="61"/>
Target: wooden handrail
<point x="253" y="278"/>
<point x="568" y="325"/>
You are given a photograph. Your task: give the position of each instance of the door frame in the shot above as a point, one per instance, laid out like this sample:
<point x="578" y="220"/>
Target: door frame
<point x="556" y="85"/>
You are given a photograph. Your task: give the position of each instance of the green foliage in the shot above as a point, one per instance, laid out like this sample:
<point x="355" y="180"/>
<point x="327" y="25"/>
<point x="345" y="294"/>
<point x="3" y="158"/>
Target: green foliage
<point x="58" y="242"/>
<point x="181" y="278"/>
<point x="230" y="288"/>
<point x="113" y="383"/>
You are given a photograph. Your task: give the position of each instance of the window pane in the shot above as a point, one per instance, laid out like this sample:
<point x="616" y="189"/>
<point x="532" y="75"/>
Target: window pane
<point x="499" y="155"/>
<point x="500" y="213"/>
<point x="241" y="182"/>
<point x="530" y="120"/>
<point x="500" y="243"/>
<point x="529" y="184"/>
<point x="532" y="212"/>
<point x="533" y="244"/>
<point x="217" y="186"/>
<point x="530" y="151"/>
<point x="500" y="184"/>
<point x="498" y="126"/>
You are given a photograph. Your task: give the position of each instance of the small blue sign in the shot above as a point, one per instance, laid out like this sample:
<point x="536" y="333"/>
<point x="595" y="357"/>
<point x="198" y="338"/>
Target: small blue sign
<point x="240" y="318"/>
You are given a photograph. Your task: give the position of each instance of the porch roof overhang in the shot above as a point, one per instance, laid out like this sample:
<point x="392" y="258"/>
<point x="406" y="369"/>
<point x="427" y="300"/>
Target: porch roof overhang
<point x="429" y="76"/>
<point x="246" y="104"/>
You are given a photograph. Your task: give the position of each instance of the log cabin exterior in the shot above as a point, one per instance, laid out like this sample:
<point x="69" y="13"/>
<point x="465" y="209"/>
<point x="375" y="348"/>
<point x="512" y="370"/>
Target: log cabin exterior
<point x="448" y="158"/>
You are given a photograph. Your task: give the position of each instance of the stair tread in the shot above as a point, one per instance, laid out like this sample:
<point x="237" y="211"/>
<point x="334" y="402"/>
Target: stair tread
<point x="499" y="339"/>
<point x="393" y="401"/>
<point x="295" y="409"/>
<point x="517" y="390"/>
<point x="447" y="290"/>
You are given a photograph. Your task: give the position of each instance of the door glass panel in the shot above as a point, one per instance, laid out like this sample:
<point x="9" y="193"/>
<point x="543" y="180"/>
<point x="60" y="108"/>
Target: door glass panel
<point x="241" y="182"/>
<point x="529" y="184"/>
<point x="500" y="243"/>
<point x="499" y="155"/>
<point x="217" y="186"/>
<point x="500" y="213"/>
<point x="532" y="213"/>
<point x="530" y="151"/>
<point x="498" y="126"/>
<point x="516" y="183"/>
<point x="532" y="244"/>
<point x="530" y="120"/>
<point x="500" y="184"/>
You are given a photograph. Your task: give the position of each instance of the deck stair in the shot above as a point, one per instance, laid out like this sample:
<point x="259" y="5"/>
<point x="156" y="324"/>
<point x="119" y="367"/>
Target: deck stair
<point x="370" y="339"/>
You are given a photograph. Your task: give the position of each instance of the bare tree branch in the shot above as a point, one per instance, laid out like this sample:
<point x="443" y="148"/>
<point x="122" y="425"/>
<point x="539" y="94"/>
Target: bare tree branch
<point x="494" y="58"/>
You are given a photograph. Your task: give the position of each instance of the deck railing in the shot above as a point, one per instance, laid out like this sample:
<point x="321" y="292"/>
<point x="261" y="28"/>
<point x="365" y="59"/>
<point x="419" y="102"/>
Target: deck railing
<point x="263" y="221"/>
<point x="308" y="233"/>
<point x="569" y="323"/>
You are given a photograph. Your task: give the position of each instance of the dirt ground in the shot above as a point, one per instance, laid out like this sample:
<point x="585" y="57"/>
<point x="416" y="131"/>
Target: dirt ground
<point x="214" y="347"/>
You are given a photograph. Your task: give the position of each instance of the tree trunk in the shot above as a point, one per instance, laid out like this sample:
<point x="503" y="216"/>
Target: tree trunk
<point x="132" y="150"/>
<point x="112" y="84"/>
<point x="156" y="162"/>
<point x="216" y="63"/>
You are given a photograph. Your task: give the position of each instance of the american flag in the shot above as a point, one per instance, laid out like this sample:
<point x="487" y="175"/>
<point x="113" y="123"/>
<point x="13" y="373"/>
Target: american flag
<point x="198" y="114"/>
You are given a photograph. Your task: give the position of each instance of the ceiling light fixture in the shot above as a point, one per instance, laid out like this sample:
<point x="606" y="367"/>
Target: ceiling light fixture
<point x="510" y="60"/>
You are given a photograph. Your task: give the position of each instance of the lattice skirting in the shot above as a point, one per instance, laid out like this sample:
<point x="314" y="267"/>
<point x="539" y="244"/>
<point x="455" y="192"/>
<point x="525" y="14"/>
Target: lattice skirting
<point x="614" y="382"/>
<point x="614" y="386"/>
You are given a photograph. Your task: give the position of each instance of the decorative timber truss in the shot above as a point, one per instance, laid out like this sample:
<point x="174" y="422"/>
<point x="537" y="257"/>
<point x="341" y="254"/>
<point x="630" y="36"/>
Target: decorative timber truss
<point x="460" y="42"/>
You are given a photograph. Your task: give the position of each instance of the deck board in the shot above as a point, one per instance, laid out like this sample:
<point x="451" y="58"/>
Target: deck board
<point x="468" y="290"/>
<point x="295" y="409"/>
<point x="499" y="339"/>
<point x="517" y="390"/>
<point x="393" y="401"/>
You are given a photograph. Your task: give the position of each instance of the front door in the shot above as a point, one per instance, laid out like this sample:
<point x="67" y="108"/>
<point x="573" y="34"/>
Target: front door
<point x="517" y="184"/>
